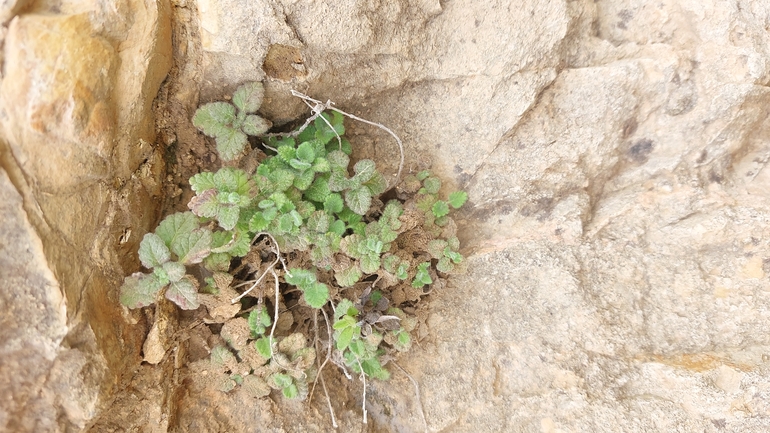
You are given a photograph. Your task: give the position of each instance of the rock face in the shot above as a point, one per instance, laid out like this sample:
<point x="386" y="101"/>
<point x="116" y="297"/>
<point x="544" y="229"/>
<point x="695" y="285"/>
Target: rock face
<point x="78" y="174"/>
<point x="618" y="229"/>
<point x="615" y="155"/>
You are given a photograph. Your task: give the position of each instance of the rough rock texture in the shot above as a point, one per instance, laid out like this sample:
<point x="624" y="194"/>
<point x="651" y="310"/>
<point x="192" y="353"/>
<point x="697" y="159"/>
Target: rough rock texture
<point x="79" y="176"/>
<point x="615" y="155"/>
<point x="618" y="229"/>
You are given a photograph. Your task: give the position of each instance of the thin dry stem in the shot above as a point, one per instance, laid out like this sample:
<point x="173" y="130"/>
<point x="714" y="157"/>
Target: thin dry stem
<point x="417" y="394"/>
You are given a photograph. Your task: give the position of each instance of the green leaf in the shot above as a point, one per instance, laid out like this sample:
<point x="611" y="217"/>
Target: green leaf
<point x="402" y="272"/>
<point x="305" y="153"/>
<point x="319" y="222"/>
<point x="202" y="182"/>
<point x="345" y="308"/>
<point x="282" y="178"/>
<point x="458" y="198"/>
<point x="285" y="223"/>
<point x="230" y="144"/>
<point x="300" y="277"/>
<point x="174" y="270"/>
<point x="436" y="248"/>
<point x="184" y="293"/>
<point x="263" y="347"/>
<point x="321" y="165"/>
<point x="258" y="320"/>
<point x="258" y="222"/>
<point x="453" y="255"/>
<point x="318" y="190"/>
<point x="349" y="276"/>
<point x="248" y="97"/>
<point x="153" y="251"/>
<point x="214" y="119"/>
<point x="358" y="200"/>
<point x="193" y="247"/>
<point x="229" y="179"/>
<point x="304" y="180"/>
<point x="222" y="357"/>
<point x="364" y="170"/>
<point x="444" y="265"/>
<point x="440" y="208"/>
<point x="255" y="125"/>
<point x="370" y="263"/>
<point x="205" y="204"/>
<point x="338" y="160"/>
<point x="228" y="216"/>
<point x="317" y="295"/>
<point x="423" y="175"/>
<point x="300" y="165"/>
<point x="373" y="368"/>
<point x="338" y="181"/>
<point x="432" y="185"/>
<point x="291" y="392"/>
<point x="344" y="338"/>
<point x="333" y="204"/>
<point x="337" y="227"/>
<point x="139" y="290"/>
<point x="324" y="132"/>
<point x="279" y="380"/>
<point x="423" y="276"/>
<point x="175" y="225"/>
<point x="377" y="184"/>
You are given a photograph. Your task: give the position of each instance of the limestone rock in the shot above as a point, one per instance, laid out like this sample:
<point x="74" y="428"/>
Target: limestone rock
<point x="79" y="172"/>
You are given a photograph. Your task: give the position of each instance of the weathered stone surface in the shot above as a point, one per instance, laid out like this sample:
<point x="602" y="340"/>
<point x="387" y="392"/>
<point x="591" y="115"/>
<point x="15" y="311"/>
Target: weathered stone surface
<point x="79" y="173"/>
<point x="615" y="155"/>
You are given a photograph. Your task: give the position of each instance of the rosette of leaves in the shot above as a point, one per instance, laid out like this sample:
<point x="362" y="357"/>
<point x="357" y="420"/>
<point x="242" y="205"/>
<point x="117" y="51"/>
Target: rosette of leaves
<point x="178" y="241"/>
<point x="445" y="251"/>
<point x="360" y="352"/>
<point x="231" y="123"/>
<point x="221" y="195"/>
<point x="436" y="210"/>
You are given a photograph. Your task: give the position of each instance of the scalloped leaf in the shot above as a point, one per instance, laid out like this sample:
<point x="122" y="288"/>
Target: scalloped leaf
<point x="316" y="295"/>
<point x="348" y="277"/>
<point x="228" y="216"/>
<point x="338" y="160"/>
<point x="324" y="132"/>
<point x="174" y="270"/>
<point x="214" y="119"/>
<point x="305" y="153"/>
<point x="440" y="208"/>
<point x="457" y="199"/>
<point x="139" y="290"/>
<point x="193" y="247"/>
<point x="248" y="97"/>
<point x="256" y="125"/>
<point x="359" y="200"/>
<point x="202" y="182"/>
<point x="230" y="144"/>
<point x="256" y="386"/>
<point x="334" y="203"/>
<point x="364" y="170"/>
<point x="153" y="251"/>
<point x="370" y="263"/>
<point x="184" y="293"/>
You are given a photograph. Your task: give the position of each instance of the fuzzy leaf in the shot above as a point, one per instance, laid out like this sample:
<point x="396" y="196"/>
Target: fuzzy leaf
<point x="318" y="190"/>
<point x="338" y="160"/>
<point x="344" y="338"/>
<point x="305" y="153"/>
<point x="258" y="320"/>
<point x="445" y="265"/>
<point x="228" y="217"/>
<point x="300" y="277"/>
<point x="202" y="182"/>
<point x="282" y="179"/>
<point x="214" y="119"/>
<point x="422" y="277"/>
<point x="139" y="290"/>
<point x="370" y="263"/>
<point x="258" y="222"/>
<point x="248" y="97"/>
<point x="255" y="125"/>
<point x="231" y="144"/>
<point x="287" y="153"/>
<point x="321" y="165"/>
<point x="316" y="295"/>
<point x="373" y="368"/>
<point x="229" y="179"/>
<point x="304" y="180"/>
<point x="153" y="251"/>
<point x="205" y="204"/>
<point x="349" y="276"/>
<point x="338" y="181"/>
<point x="436" y="248"/>
<point x="291" y="392"/>
<point x="300" y="165"/>
<point x="193" y="247"/>
<point x="184" y="293"/>
<point x="440" y="208"/>
<point x="377" y="184"/>
<point x="458" y="198"/>
<point x="263" y="347"/>
<point x="364" y="170"/>
<point x="174" y="270"/>
<point x="358" y="200"/>
<point x="222" y="357"/>
<point x="324" y="132"/>
<point x="333" y="203"/>
<point x="432" y="185"/>
<point x="337" y="227"/>
<point x="319" y="222"/>
<point x="423" y="175"/>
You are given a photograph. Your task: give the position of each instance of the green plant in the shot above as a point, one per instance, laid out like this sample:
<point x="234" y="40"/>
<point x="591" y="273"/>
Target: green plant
<point x="315" y="226"/>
